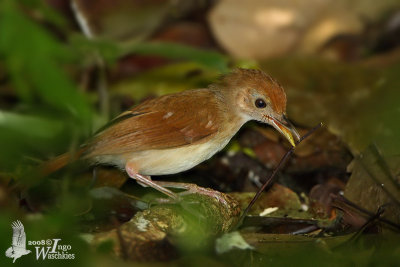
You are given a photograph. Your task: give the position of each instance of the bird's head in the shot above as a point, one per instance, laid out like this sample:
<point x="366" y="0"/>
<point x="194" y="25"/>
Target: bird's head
<point x="256" y="96"/>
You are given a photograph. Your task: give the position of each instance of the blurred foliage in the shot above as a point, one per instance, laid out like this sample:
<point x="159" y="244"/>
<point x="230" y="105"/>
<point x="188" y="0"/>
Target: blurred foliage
<point x="40" y="69"/>
<point x="289" y="250"/>
<point x="176" y="51"/>
<point x="111" y="51"/>
<point x="35" y="63"/>
<point x="167" y="79"/>
<point x="49" y="113"/>
<point x="34" y="60"/>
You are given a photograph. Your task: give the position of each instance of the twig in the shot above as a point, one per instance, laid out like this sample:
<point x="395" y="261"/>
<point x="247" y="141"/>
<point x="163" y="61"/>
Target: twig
<point x="338" y="199"/>
<point x="367" y="224"/>
<point x="272" y="179"/>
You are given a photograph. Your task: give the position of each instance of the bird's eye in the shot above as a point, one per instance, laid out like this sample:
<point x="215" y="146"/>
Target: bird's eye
<point x="260" y="103"/>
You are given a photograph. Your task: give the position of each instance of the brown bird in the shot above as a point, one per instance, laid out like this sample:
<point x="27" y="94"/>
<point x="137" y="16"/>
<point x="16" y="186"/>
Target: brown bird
<point x="175" y="132"/>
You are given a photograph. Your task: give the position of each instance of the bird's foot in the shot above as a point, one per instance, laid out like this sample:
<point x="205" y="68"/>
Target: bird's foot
<point x="147" y="182"/>
<point x="163" y="186"/>
<point x="190" y="189"/>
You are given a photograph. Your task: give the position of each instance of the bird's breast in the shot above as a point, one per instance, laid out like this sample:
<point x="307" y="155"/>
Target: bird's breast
<point x="175" y="160"/>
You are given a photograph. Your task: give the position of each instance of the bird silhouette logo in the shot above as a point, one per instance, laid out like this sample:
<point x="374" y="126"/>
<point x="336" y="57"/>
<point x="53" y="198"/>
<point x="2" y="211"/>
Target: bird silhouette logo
<point x="18" y="246"/>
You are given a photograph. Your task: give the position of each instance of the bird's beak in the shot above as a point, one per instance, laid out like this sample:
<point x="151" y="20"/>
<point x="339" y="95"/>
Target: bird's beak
<point x="284" y="126"/>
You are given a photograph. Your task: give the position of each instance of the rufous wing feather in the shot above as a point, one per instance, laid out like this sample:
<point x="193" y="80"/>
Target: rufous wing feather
<point x="165" y="122"/>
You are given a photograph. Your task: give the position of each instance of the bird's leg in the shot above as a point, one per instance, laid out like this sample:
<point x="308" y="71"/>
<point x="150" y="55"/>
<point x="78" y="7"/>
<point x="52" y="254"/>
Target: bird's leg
<point x="193" y="189"/>
<point x="146" y="181"/>
<point x="142" y="184"/>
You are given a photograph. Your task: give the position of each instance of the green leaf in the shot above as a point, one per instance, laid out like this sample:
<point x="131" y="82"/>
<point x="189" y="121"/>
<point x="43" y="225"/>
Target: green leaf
<point x="38" y="126"/>
<point x="178" y="51"/>
<point x="111" y="51"/>
<point x="167" y="79"/>
<point x="35" y="62"/>
<point x="22" y="136"/>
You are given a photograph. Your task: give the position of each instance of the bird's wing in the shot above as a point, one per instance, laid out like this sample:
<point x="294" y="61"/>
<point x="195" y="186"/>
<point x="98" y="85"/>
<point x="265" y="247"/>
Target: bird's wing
<point x="169" y="121"/>
<point x="19" y="237"/>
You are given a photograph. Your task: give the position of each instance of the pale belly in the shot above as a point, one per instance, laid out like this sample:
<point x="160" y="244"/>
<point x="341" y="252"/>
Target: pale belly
<point x="166" y="161"/>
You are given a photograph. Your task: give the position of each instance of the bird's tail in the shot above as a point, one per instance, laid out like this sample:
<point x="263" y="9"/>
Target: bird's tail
<point x="60" y="162"/>
<point x="9" y="252"/>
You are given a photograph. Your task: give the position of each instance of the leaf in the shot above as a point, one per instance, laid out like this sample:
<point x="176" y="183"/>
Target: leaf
<point x="112" y="51"/>
<point x="229" y="241"/>
<point x="373" y="183"/>
<point x="22" y="135"/>
<point x="35" y="61"/>
<point x="209" y="59"/>
<point x="38" y="126"/>
<point x="168" y="79"/>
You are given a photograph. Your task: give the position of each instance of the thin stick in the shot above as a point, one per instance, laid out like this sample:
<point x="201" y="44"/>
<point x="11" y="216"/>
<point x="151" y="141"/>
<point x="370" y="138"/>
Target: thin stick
<point x="272" y="179"/>
<point x="368" y="223"/>
<point x="337" y="199"/>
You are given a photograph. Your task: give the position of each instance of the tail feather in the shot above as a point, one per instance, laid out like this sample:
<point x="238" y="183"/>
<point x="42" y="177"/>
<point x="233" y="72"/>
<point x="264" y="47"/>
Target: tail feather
<point x="9" y="252"/>
<point x="60" y="162"/>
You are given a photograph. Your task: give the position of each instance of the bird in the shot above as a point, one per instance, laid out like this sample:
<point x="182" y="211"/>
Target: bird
<point x="175" y="132"/>
<point x="18" y="247"/>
